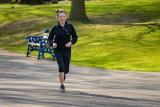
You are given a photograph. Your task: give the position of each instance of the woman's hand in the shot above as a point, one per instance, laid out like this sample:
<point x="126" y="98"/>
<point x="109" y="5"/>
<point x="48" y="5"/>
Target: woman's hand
<point x="68" y="44"/>
<point x="54" y="45"/>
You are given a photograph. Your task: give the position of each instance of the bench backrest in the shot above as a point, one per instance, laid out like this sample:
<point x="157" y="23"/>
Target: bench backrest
<point x="34" y="39"/>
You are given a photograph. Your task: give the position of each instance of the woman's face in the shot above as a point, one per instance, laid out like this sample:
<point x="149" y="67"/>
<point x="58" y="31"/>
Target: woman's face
<point x="62" y="17"/>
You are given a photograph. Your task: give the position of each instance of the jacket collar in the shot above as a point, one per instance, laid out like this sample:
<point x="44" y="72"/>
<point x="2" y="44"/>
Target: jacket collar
<point x="63" y="26"/>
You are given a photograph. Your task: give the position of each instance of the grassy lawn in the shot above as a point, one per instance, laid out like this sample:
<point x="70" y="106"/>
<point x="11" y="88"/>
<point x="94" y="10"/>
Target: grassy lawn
<point x="122" y="35"/>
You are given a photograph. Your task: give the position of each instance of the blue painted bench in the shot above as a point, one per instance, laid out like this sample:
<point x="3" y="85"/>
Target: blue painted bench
<point x="40" y="44"/>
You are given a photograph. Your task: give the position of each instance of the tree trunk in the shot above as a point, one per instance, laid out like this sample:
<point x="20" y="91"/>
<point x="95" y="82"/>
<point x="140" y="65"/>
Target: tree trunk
<point x="78" y="11"/>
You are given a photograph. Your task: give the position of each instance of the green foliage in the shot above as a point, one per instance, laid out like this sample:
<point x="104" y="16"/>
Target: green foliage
<point x="33" y="2"/>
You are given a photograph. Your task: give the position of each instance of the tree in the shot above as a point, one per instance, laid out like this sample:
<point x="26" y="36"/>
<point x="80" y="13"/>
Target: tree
<point x="78" y="11"/>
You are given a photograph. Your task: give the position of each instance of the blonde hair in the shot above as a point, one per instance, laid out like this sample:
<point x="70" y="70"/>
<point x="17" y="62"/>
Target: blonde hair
<point x="60" y="11"/>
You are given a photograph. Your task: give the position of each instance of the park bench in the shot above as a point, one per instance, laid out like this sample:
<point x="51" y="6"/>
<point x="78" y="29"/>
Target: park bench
<point x="39" y="43"/>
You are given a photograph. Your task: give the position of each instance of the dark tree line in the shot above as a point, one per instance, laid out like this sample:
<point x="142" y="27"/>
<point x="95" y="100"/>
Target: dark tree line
<point x="34" y="1"/>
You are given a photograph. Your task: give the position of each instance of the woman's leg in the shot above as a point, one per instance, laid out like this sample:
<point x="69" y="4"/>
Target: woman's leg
<point x="66" y="59"/>
<point x="61" y="78"/>
<point x="61" y="66"/>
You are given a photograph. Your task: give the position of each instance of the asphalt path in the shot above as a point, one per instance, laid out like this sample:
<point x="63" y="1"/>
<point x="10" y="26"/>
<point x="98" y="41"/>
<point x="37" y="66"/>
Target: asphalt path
<point x="27" y="82"/>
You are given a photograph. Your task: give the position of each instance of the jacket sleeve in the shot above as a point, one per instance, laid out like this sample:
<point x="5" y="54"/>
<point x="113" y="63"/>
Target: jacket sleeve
<point x="74" y="35"/>
<point x="51" y="36"/>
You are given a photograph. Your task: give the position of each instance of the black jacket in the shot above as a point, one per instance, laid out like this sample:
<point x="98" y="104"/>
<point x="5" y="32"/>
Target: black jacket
<point x="62" y="35"/>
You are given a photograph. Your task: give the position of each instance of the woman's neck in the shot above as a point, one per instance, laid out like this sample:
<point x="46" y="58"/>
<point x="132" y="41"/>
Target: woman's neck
<point x="62" y="23"/>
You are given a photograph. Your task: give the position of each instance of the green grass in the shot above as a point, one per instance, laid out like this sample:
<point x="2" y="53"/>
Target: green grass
<point x="122" y="35"/>
<point x="123" y="48"/>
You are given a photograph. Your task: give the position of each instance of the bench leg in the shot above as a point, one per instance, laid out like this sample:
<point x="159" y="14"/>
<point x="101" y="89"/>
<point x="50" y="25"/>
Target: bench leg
<point x="28" y="51"/>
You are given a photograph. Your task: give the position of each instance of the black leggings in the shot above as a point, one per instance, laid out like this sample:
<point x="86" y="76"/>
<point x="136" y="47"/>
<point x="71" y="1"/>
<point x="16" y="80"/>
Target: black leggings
<point x="63" y="60"/>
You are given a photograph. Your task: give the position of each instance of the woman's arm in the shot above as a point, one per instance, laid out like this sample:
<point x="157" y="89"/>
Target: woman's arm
<point x="74" y="35"/>
<point x="51" y="38"/>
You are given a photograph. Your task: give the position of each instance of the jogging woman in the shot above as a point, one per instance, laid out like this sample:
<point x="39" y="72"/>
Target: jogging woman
<point x="62" y="37"/>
